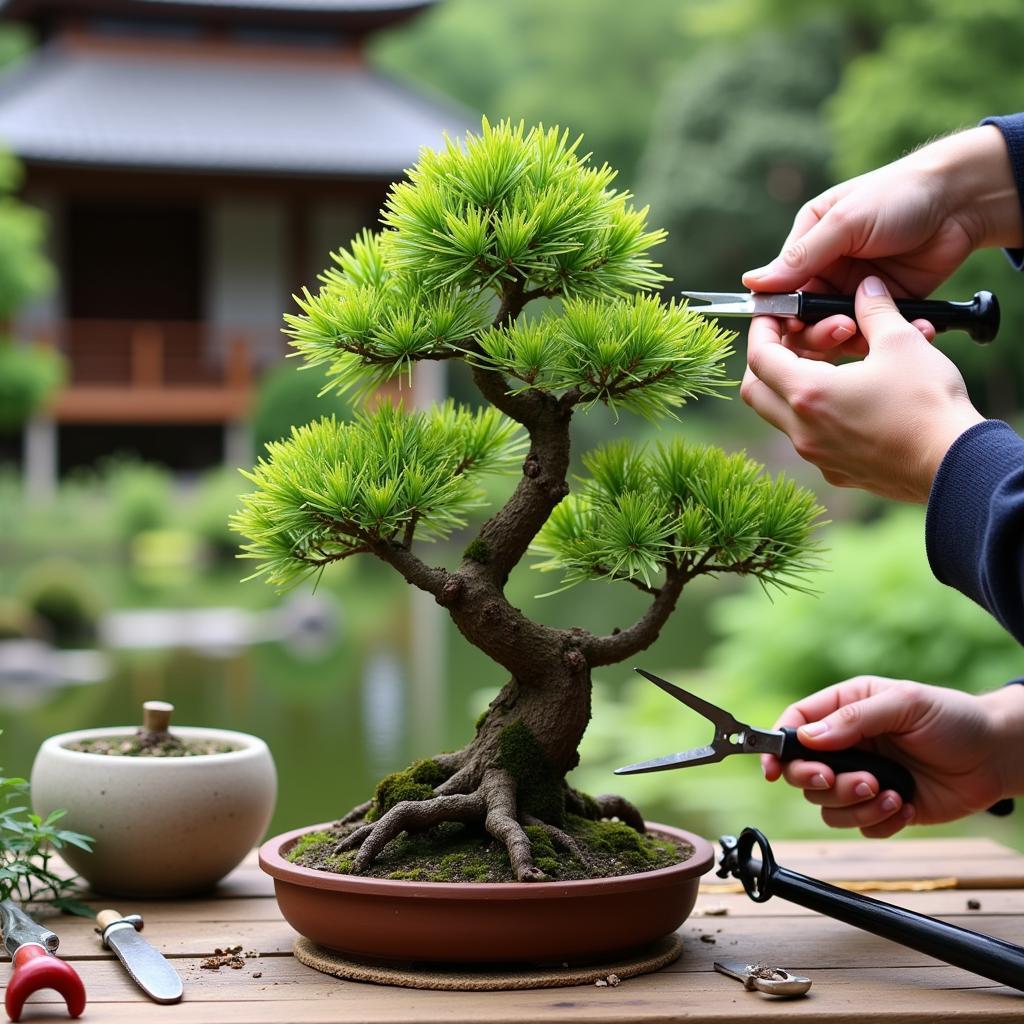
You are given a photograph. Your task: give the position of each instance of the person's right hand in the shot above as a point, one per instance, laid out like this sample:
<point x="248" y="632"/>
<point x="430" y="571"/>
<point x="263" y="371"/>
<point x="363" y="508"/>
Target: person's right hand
<point x="911" y="223"/>
<point x="960" y="749"/>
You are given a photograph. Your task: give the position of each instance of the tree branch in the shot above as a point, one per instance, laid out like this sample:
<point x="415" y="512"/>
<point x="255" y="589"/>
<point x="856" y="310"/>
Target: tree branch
<point x="615" y="647"/>
<point x="415" y="571"/>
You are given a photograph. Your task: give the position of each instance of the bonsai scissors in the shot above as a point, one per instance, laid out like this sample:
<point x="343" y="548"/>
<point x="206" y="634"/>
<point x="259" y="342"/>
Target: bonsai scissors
<point x="979" y="316"/>
<point x="735" y="737"/>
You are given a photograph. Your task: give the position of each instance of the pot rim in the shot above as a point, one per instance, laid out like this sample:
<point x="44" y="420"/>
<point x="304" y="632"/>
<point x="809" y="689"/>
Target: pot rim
<point x="272" y="861"/>
<point x="249" y="746"/>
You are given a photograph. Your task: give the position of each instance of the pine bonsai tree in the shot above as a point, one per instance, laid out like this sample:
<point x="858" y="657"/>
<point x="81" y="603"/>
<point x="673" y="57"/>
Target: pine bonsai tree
<point x="479" y="230"/>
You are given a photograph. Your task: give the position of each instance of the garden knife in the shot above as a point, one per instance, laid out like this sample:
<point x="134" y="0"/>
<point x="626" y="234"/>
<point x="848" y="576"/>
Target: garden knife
<point x="148" y="968"/>
<point x="979" y="317"/>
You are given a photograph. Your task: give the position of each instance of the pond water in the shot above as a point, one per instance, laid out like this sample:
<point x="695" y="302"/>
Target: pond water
<point x="395" y="682"/>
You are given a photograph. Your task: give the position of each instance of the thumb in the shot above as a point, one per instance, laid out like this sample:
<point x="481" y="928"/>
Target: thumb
<point x="804" y="257"/>
<point x="877" y="316"/>
<point x="881" y="713"/>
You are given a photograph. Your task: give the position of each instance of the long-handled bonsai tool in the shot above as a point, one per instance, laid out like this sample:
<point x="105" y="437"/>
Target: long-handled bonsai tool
<point x="34" y="965"/>
<point x="762" y="878"/>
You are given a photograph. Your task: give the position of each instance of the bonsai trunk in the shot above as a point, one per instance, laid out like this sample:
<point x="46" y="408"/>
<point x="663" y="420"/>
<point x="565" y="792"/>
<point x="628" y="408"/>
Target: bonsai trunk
<point x="511" y="775"/>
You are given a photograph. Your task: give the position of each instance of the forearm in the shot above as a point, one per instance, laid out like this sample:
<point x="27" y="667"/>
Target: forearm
<point x="1005" y="709"/>
<point x="973" y="172"/>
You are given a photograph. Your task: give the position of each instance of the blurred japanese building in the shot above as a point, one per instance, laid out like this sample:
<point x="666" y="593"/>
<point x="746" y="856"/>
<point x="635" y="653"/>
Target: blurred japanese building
<point x="197" y="160"/>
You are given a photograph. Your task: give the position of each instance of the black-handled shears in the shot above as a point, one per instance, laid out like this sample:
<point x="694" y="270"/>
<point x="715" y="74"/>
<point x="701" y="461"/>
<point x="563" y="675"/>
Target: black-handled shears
<point x="735" y="737"/>
<point x="979" y="316"/>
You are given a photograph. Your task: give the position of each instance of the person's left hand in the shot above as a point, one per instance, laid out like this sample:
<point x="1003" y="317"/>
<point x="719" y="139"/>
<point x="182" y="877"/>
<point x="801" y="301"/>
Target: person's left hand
<point x="882" y="424"/>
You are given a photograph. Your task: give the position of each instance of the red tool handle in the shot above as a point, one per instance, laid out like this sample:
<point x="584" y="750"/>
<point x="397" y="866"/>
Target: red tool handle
<point x="35" y="968"/>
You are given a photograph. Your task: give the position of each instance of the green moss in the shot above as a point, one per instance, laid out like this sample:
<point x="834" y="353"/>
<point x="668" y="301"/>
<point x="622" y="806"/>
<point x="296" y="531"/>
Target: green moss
<point x="454" y="852"/>
<point x="621" y="842"/>
<point x="478" y="551"/>
<point x="311" y="844"/>
<point x="481" y="718"/>
<point x="417" y="782"/>
<point x="540" y="789"/>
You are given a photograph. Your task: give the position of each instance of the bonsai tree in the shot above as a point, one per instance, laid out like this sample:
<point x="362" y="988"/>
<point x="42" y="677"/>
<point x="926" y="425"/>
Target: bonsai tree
<point x="479" y="231"/>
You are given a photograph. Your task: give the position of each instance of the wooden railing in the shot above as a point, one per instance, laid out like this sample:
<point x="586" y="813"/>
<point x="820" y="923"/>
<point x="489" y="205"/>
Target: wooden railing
<point x="125" y="371"/>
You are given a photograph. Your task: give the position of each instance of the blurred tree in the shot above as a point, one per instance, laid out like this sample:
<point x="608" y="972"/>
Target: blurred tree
<point x="738" y="144"/>
<point x="594" y="66"/>
<point x="27" y="375"/>
<point x="931" y="76"/>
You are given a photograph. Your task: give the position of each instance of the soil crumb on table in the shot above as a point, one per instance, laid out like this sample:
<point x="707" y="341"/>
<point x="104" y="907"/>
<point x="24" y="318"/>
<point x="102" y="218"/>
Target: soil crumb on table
<point x="456" y="852"/>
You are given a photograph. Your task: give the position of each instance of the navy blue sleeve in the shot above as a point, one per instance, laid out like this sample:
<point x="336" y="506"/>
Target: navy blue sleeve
<point x="1012" y="127"/>
<point x="974" y="531"/>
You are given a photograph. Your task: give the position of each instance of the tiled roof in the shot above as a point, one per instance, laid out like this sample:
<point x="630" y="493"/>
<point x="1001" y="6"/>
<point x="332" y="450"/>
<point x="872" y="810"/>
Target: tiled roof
<point x="197" y="114"/>
<point x="26" y="7"/>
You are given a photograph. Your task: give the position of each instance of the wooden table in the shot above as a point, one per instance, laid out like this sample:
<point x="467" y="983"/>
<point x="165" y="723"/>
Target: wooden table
<point x="856" y="976"/>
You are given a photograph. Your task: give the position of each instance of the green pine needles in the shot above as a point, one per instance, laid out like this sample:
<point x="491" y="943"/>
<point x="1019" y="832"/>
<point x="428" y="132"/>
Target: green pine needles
<point x="479" y="230"/>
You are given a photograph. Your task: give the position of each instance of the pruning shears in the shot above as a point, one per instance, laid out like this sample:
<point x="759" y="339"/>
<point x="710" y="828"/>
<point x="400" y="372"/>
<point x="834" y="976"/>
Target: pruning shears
<point x="735" y="737"/>
<point x="979" y="316"/>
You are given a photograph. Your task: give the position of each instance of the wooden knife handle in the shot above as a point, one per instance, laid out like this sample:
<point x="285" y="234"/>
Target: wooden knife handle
<point x="105" y="918"/>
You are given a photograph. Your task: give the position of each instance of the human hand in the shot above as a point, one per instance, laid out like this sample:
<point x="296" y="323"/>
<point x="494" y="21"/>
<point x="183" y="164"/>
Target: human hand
<point x="959" y="748"/>
<point x="882" y="424"/>
<point x="910" y="223"/>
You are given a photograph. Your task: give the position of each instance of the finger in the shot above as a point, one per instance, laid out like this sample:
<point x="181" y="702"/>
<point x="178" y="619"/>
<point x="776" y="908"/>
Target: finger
<point x="808" y="775"/>
<point x="766" y="403"/>
<point x="849" y="789"/>
<point x="891" y="711"/>
<point x="824" y="242"/>
<point x="816" y="706"/>
<point x="829" y="333"/>
<point x="892" y="825"/>
<point x="879" y="319"/>
<point x="770" y="361"/>
<point x="771" y="766"/>
<point x="865" y="815"/>
<point x="925" y="327"/>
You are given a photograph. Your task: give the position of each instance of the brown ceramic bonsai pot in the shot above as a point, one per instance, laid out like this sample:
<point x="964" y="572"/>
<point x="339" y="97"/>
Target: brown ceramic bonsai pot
<point x="474" y="922"/>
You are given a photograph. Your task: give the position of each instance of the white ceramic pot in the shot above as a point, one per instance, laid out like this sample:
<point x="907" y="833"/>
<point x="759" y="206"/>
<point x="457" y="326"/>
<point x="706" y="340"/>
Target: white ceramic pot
<point x="163" y="826"/>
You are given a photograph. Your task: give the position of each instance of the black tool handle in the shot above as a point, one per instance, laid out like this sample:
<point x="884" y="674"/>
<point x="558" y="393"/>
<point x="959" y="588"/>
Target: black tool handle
<point x="990" y="957"/>
<point x="979" y="317"/>
<point x="890" y="774"/>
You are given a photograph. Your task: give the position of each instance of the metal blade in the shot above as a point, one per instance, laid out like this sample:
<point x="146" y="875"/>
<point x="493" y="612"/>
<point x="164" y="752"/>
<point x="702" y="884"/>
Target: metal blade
<point x="148" y="968"/>
<point x="684" y="759"/>
<point x="746" y="304"/>
<point x="722" y="719"/>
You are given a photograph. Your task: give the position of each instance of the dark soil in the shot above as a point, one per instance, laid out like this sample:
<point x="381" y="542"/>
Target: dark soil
<point x="454" y="852"/>
<point x="144" y="745"/>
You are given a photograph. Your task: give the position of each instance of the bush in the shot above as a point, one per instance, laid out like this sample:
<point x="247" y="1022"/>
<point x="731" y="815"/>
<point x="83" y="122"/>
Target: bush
<point x="214" y="500"/>
<point x="882" y="612"/>
<point x="140" y="494"/>
<point x="60" y="594"/>
<point x="28" y="376"/>
<point x="287" y="398"/>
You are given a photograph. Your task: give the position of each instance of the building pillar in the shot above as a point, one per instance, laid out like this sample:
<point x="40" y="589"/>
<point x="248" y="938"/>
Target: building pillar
<point x="40" y="457"/>
<point x="238" y="445"/>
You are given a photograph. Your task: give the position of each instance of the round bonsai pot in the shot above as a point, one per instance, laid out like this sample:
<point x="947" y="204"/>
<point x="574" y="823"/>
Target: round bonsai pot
<point x="162" y="826"/>
<point x="474" y="922"/>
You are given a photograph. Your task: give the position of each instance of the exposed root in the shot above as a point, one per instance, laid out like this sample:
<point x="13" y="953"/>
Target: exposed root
<point x="613" y="806"/>
<point x="409" y="816"/>
<point x="462" y="781"/>
<point x="562" y="839"/>
<point x="500" y="822"/>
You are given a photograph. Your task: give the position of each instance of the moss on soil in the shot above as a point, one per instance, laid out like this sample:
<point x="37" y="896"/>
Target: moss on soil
<point x="137" y="746"/>
<point x="453" y="852"/>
